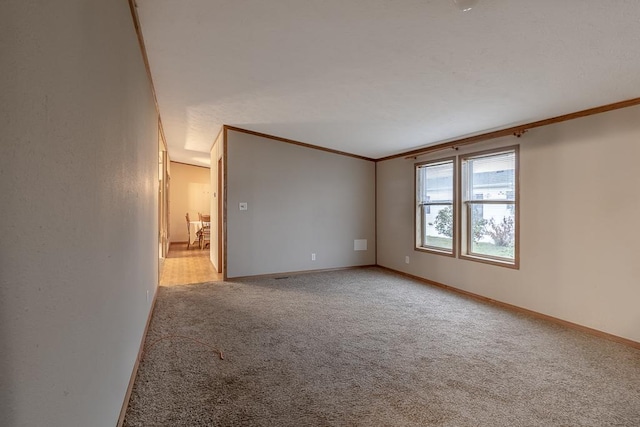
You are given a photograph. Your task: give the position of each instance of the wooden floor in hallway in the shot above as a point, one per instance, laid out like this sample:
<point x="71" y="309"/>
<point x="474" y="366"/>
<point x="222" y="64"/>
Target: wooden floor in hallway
<point x="186" y="266"/>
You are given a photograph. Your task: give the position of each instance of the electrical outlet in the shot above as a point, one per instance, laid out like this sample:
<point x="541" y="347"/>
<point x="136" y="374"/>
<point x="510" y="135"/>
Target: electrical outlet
<point x="406" y="259"/>
<point x="313" y="257"/>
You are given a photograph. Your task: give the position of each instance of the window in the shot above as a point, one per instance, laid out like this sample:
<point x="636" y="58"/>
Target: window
<point x="489" y="195"/>
<point x="435" y="206"/>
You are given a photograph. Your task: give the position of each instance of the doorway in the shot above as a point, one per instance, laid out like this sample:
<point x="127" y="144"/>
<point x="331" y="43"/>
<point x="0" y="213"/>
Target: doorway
<point x="220" y="213"/>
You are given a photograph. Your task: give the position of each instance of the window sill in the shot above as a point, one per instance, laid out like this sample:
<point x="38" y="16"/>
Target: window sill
<point x="515" y="265"/>
<point x="434" y="251"/>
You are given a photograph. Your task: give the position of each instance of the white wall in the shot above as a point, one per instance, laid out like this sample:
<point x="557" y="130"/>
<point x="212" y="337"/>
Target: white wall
<point x="190" y="192"/>
<point x="579" y="241"/>
<point x="300" y="201"/>
<point x="78" y="228"/>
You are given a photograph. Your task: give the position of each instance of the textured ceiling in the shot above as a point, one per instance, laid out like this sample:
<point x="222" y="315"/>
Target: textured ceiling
<point x="379" y="77"/>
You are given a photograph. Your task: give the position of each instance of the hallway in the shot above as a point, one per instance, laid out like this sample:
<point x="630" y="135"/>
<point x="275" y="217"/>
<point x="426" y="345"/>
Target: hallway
<point x="190" y="266"/>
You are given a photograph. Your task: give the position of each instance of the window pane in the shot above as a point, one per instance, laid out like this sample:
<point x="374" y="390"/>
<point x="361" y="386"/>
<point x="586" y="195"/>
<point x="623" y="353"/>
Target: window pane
<point x="438" y="227"/>
<point x="437" y="183"/>
<point x="492" y="177"/>
<point x="493" y="229"/>
<point x="434" y="204"/>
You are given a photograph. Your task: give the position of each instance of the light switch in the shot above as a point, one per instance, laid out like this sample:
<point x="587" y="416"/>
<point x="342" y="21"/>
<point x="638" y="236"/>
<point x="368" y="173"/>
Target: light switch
<point x="243" y="206"/>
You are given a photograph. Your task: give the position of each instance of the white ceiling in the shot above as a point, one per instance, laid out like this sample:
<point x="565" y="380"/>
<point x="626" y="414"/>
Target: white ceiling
<point x="380" y="77"/>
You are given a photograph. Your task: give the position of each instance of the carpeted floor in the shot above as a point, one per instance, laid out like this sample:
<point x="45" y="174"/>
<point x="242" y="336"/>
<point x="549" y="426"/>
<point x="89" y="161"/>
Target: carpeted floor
<point x="366" y="347"/>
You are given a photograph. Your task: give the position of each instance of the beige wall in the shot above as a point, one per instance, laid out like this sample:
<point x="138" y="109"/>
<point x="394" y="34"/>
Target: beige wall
<point x="79" y="230"/>
<point x="190" y="192"/>
<point x="300" y="201"/>
<point x="579" y="243"/>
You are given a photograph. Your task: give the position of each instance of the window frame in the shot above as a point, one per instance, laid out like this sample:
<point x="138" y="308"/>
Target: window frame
<point x="466" y="206"/>
<point x="418" y="209"/>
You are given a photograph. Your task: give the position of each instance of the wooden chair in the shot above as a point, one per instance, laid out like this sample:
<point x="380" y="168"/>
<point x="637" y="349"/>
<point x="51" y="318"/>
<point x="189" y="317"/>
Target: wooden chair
<point x="205" y="231"/>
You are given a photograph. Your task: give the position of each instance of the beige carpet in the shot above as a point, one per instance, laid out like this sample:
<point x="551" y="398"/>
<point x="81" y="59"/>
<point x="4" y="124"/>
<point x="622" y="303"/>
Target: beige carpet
<point x="369" y="348"/>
